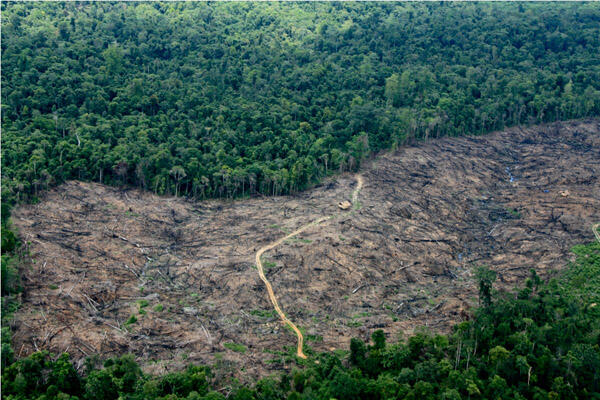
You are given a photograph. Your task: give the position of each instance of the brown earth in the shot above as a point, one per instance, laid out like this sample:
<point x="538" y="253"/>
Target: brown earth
<point x="402" y="259"/>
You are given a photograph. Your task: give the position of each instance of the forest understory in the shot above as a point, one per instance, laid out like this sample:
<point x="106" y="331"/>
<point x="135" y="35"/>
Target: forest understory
<point x="111" y="270"/>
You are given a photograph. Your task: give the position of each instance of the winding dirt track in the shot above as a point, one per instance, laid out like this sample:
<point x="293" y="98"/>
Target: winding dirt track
<point x="359" y="185"/>
<point x="261" y="272"/>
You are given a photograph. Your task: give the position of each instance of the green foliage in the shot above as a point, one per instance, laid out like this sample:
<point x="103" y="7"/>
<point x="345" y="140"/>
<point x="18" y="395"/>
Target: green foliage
<point x="9" y="259"/>
<point x="38" y="374"/>
<point x="268" y="264"/>
<point x="158" y="308"/>
<point x="9" y="239"/>
<point x="514" y="212"/>
<point x="485" y="278"/>
<point x="378" y="339"/>
<point x="237" y="347"/>
<point x="180" y="384"/>
<point x="11" y="287"/>
<point x="121" y="375"/>
<point x="584" y="273"/>
<point x="143" y="303"/>
<point x="10" y="276"/>
<point x="7" y="352"/>
<point x="223" y="100"/>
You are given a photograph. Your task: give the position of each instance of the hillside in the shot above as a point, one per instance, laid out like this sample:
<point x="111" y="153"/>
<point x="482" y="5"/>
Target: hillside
<point x="403" y="257"/>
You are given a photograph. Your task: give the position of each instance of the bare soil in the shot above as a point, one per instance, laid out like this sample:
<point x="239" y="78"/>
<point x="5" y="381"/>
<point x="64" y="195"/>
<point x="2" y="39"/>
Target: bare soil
<point x="402" y="257"/>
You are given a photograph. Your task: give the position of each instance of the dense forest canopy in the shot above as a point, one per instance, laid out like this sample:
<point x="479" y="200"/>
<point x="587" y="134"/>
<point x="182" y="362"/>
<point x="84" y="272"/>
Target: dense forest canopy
<point x="219" y="100"/>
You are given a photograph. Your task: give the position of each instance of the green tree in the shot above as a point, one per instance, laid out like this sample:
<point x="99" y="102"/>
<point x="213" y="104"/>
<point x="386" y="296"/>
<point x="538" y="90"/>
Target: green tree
<point x="113" y="56"/>
<point x="485" y="278"/>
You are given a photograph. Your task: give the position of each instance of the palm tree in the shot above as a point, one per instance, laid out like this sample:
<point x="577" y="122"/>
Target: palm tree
<point x="178" y="173"/>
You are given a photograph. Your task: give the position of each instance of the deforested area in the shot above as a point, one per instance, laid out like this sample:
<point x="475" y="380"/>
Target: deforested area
<point x="118" y="270"/>
<point x="300" y="200"/>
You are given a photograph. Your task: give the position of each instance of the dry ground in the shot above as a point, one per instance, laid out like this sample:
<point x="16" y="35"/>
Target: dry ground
<point x="514" y="200"/>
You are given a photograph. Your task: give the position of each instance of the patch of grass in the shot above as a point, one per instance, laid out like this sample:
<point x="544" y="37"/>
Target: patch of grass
<point x="354" y="324"/>
<point x="132" y="320"/>
<point x="239" y="348"/>
<point x="53" y="287"/>
<point x="268" y="264"/>
<point x="158" y="308"/>
<point x="314" y="338"/>
<point x="142" y="303"/>
<point x="514" y="212"/>
<point x="357" y="205"/>
<point x="361" y="315"/>
<point x="342" y="238"/>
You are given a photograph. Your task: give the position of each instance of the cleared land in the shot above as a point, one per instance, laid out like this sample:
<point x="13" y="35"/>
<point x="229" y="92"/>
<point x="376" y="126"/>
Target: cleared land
<point x="401" y="258"/>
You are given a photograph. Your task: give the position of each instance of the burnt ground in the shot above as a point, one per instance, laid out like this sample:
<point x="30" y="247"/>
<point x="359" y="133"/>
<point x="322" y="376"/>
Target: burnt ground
<point x="514" y="200"/>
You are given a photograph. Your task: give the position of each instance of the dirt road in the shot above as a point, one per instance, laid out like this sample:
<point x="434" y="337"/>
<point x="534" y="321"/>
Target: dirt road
<point x="261" y="272"/>
<point x="359" y="185"/>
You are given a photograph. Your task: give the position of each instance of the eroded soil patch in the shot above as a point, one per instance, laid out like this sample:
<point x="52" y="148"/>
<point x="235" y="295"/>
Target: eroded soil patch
<point x="401" y="258"/>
